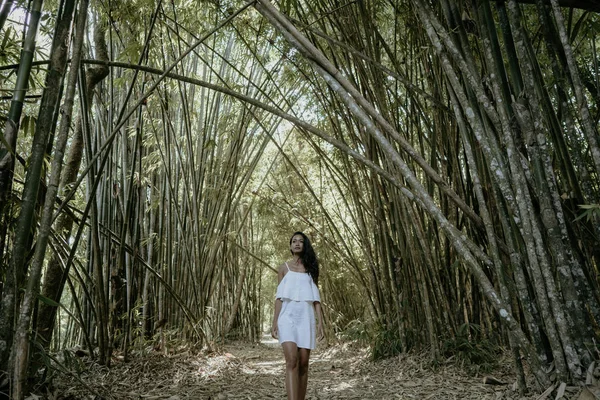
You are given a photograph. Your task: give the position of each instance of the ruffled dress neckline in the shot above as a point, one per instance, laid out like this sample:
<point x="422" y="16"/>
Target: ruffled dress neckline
<point x="297" y="287"/>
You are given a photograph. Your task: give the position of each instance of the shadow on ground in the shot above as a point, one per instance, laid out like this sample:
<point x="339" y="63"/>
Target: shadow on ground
<point x="255" y="371"/>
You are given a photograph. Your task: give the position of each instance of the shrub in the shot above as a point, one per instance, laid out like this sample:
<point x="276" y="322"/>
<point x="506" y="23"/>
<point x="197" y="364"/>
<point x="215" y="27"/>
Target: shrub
<point x="474" y="352"/>
<point x="387" y="342"/>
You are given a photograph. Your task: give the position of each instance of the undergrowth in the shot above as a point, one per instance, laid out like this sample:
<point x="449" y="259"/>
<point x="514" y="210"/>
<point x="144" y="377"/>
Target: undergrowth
<point x="355" y="331"/>
<point x="387" y="344"/>
<point x="469" y="349"/>
<point x="383" y="341"/>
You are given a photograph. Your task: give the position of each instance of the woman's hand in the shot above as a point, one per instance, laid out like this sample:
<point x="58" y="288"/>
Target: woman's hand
<point x="320" y="332"/>
<point x="274" y="330"/>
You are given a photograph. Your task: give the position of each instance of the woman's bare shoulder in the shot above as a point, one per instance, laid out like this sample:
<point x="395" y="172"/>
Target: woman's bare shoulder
<point x="283" y="268"/>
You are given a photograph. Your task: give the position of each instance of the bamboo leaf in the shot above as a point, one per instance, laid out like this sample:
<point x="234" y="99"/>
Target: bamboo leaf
<point x="47" y="301"/>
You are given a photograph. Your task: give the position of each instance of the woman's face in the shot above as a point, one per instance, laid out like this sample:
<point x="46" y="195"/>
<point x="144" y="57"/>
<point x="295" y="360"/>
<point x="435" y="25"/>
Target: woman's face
<point x="297" y="244"/>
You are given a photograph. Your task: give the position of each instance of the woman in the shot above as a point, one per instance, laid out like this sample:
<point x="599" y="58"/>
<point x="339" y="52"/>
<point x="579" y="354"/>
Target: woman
<point x="296" y="303"/>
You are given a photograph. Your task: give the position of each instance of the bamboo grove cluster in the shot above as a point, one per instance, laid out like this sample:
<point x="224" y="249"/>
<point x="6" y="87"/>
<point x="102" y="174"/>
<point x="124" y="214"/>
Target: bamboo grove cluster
<point x="464" y="211"/>
<point x="444" y="157"/>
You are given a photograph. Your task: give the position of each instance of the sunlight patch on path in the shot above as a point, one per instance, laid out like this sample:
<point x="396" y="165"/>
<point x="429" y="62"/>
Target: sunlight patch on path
<point x="249" y="371"/>
<point x="268" y="341"/>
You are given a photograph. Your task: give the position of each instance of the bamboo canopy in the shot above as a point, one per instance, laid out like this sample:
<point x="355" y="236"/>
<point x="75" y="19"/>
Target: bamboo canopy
<point x="444" y="158"/>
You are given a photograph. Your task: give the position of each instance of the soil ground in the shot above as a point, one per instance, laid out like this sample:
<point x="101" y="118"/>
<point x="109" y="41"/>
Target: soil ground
<point x="256" y="371"/>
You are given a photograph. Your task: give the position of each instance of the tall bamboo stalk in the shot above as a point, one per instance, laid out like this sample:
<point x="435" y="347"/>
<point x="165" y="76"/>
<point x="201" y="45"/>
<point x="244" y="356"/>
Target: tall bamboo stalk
<point x="7" y="161"/>
<point x="21" y="346"/>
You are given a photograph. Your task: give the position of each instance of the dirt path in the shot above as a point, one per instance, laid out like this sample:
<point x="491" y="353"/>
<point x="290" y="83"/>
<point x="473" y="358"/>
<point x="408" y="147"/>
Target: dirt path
<point x="247" y="371"/>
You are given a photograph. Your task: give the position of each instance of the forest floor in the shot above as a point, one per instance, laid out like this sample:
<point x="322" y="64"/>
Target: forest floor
<point x="255" y="371"/>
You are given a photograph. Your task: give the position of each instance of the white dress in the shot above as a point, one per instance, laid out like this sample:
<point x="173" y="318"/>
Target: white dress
<point x="296" y="321"/>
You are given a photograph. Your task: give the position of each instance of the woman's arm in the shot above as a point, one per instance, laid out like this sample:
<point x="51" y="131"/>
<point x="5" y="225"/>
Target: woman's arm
<point x="274" y="329"/>
<point x="278" y="304"/>
<point x="320" y="330"/>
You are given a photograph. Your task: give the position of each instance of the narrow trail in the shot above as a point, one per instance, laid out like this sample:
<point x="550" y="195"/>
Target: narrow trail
<point x="255" y="371"/>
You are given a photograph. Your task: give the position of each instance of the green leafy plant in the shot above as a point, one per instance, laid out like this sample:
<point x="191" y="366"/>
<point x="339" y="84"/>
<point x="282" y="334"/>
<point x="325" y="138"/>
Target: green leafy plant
<point x="387" y="342"/>
<point x="469" y="348"/>
<point x="590" y="211"/>
<point x="355" y="331"/>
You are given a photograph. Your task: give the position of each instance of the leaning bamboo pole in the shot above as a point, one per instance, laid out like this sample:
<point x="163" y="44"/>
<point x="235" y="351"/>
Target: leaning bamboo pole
<point x="56" y="273"/>
<point x="496" y="119"/>
<point x="199" y="145"/>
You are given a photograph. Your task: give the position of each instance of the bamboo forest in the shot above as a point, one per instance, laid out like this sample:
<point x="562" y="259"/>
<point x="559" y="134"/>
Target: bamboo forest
<point x="443" y="157"/>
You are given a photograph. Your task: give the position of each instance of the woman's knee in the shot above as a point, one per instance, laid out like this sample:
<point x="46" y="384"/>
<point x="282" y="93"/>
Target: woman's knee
<point x="291" y="361"/>
<point x="303" y="365"/>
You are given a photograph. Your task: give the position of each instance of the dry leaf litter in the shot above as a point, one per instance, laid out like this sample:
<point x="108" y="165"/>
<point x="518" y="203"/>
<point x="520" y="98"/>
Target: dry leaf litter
<point x="256" y="371"/>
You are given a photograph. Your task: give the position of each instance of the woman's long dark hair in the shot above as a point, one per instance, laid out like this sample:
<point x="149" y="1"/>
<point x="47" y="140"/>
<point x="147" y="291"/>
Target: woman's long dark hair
<point x="308" y="257"/>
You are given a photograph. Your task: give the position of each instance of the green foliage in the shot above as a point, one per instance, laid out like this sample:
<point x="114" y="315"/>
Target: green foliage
<point x="387" y="342"/>
<point x="384" y="340"/>
<point x="72" y="363"/>
<point x="590" y="211"/>
<point x="469" y="348"/>
<point x="28" y="125"/>
<point x="47" y="300"/>
<point x="355" y="331"/>
<point x="9" y="47"/>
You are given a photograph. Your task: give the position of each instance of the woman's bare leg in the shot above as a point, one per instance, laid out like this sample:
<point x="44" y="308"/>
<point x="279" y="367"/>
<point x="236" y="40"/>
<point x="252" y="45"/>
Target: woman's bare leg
<point x="303" y="355"/>
<point x="290" y="351"/>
